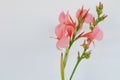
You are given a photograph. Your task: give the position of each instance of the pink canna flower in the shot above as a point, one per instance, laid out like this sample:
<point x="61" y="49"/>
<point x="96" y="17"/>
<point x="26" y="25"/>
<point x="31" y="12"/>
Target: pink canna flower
<point x="95" y="34"/>
<point x="64" y="30"/>
<point x="83" y="14"/>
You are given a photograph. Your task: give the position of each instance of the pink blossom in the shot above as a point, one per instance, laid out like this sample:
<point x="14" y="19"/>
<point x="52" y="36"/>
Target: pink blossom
<point x="83" y="14"/>
<point x="64" y="30"/>
<point x="95" y="34"/>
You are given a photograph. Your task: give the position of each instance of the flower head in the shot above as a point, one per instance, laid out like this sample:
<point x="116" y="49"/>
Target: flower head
<point x="64" y="30"/>
<point x="84" y="15"/>
<point x="96" y="33"/>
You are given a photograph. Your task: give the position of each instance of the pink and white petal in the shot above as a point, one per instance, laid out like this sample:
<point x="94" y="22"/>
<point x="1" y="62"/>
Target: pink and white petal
<point x="63" y="42"/>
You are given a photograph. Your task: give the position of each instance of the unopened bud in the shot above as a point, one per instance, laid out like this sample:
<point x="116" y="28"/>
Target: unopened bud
<point x="100" y="5"/>
<point x="85" y="45"/>
<point x="102" y="18"/>
<point x="105" y="16"/>
<point x="99" y="8"/>
<point x="99" y="12"/>
<point x="87" y="54"/>
<point x="91" y="27"/>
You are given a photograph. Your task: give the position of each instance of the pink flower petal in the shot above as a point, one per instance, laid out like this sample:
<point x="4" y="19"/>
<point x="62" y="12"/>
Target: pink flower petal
<point x="62" y="17"/>
<point x="89" y="35"/>
<point x="63" y="42"/>
<point x="59" y="31"/>
<point x="81" y="12"/>
<point x="89" y="18"/>
<point x="95" y="34"/>
<point x="70" y="30"/>
<point x="78" y="13"/>
<point x="99" y="34"/>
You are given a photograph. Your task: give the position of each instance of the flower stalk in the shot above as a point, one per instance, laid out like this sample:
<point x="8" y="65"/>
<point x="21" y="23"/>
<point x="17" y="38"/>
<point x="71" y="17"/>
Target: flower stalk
<point x="62" y="67"/>
<point x="68" y="32"/>
<point x="79" y="59"/>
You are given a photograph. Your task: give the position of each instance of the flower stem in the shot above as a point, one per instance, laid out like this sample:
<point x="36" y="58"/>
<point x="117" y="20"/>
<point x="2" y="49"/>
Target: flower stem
<point x="67" y="53"/>
<point x="66" y="57"/>
<point x="62" y="67"/>
<point x="64" y="61"/>
<point x="77" y="63"/>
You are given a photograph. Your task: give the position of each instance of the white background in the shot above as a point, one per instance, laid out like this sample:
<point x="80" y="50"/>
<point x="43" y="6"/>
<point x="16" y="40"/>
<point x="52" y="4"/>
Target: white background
<point x="28" y="53"/>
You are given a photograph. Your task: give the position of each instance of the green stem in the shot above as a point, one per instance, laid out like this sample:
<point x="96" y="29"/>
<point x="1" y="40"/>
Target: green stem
<point x="77" y="63"/>
<point x="67" y="53"/>
<point x="62" y="68"/>
<point x="66" y="56"/>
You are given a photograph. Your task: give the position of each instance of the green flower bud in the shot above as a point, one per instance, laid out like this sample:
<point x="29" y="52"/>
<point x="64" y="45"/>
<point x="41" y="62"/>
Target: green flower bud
<point x="87" y="54"/>
<point x="100" y="6"/>
<point x="99" y="12"/>
<point x="102" y="18"/>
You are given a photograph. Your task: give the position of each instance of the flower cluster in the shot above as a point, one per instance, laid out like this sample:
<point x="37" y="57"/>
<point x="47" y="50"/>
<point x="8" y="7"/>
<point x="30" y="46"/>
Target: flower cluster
<point x="68" y="31"/>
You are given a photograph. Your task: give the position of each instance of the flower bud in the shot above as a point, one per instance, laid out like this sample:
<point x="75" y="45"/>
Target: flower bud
<point x="100" y="5"/>
<point x="85" y="45"/>
<point x="99" y="8"/>
<point x="87" y="54"/>
<point x="105" y="16"/>
<point x="99" y="12"/>
<point x="102" y="18"/>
